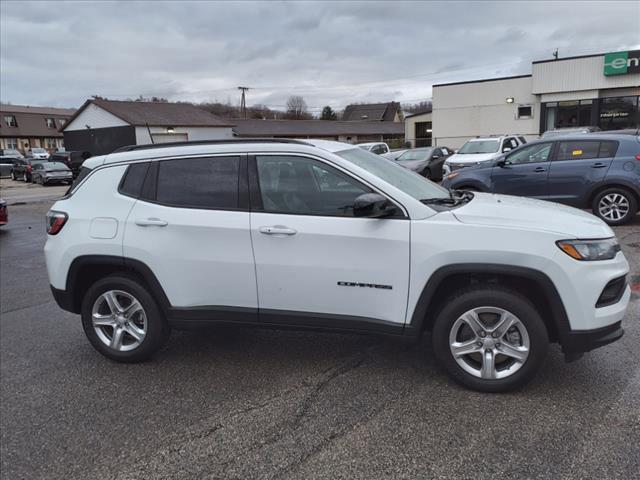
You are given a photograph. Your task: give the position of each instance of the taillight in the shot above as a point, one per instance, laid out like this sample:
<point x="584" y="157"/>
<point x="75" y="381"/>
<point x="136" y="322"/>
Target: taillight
<point x="638" y="156"/>
<point x="55" y="221"/>
<point x="29" y="168"/>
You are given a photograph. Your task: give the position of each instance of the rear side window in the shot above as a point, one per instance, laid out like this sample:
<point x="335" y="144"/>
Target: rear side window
<point x="133" y="179"/>
<point x="199" y="182"/>
<point x="608" y="149"/>
<point x="578" y="150"/>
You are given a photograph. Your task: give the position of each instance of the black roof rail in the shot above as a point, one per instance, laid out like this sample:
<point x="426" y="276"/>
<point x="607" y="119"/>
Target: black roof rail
<point x="148" y="146"/>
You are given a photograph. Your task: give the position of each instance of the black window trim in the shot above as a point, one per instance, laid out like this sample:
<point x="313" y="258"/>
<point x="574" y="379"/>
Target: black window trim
<point x="255" y="194"/>
<point x="591" y="140"/>
<point x="243" y="194"/>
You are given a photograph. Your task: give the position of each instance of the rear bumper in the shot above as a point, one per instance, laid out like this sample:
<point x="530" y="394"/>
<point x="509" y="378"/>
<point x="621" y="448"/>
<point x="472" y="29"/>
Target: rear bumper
<point x="580" y="341"/>
<point x="64" y="300"/>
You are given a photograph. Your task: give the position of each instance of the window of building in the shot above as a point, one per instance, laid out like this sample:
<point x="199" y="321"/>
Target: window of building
<point x="12" y="143"/>
<point x="10" y="121"/>
<point x="619" y="112"/>
<point x="525" y="111"/>
<point x="423" y="134"/>
<point x="304" y="186"/>
<point x="51" y="122"/>
<point x="199" y="182"/>
<point x="51" y="143"/>
<point x="573" y="113"/>
<point x="62" y="121"/>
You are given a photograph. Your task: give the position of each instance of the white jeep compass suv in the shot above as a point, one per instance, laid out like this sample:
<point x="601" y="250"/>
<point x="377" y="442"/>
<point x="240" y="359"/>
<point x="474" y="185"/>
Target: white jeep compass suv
<point x="323" y="235"/>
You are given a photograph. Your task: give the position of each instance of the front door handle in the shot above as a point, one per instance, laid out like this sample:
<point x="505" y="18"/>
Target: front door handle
<point x="598" y="165"/>
<point x="540" y="169"/>
<point x="151" y="222"/>
<point x="277" y="230"/>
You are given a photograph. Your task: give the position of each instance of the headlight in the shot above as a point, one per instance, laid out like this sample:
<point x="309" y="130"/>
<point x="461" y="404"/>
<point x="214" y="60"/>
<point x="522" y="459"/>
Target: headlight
<point x="600" y="249"/>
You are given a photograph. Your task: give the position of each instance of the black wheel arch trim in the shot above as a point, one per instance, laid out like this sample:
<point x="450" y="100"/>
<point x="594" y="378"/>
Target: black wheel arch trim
<point x="417" y="324"/>
<point x="611" y="182"/>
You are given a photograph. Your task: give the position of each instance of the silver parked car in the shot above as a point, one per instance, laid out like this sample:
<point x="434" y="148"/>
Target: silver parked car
<point x="51" y="172"/>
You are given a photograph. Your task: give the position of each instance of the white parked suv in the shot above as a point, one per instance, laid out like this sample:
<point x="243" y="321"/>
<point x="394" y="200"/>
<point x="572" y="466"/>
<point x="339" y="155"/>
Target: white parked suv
<point x="323" y="235"/>
<point x="479" y="150"/>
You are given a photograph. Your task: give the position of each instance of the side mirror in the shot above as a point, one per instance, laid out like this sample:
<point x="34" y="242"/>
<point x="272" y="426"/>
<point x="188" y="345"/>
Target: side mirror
<point x="502" y="163"/>
<point x="372" y="205"/>
<point x="435" y="157"/>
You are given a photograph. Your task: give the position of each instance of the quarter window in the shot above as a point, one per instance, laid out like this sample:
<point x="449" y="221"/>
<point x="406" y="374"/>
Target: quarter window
<point x="531" y="154"/>
<point x="304" y="186"/>
<point x="134" y="178"/>
<point x="199" y="182"/>
<point x="578" y="150"/>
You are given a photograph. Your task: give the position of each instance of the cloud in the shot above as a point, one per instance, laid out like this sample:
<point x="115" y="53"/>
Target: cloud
<point x="60" y="53"/>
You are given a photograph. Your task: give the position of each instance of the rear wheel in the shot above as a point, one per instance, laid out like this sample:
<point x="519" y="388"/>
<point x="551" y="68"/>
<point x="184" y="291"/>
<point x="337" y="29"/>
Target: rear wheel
<point x="25" y="178"/>
<point x="122" y="320"/>
<point x="615" y="206"/>
<point x="490" y="339"/>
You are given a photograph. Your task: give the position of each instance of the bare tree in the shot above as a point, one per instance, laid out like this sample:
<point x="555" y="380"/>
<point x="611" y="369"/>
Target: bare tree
<point x="297" y="108"/>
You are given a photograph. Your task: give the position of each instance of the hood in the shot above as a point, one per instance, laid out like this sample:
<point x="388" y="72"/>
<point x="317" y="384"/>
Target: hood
<point x="527" y="213"/>
<point x="471" y="157"/>
<point x="412" y="164"/>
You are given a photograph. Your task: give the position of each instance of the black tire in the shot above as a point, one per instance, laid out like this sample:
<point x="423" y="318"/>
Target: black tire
<point x="427" y="174"/>
<point x="25" y="178"/>
<point x="628" y="196"/>
<point x="158" y="329"/>
<point x="503" y="298"/>
<point x="13" y="176"/>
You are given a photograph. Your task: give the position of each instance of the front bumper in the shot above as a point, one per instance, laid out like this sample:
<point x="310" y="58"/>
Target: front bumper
<point x="580" y="341"/>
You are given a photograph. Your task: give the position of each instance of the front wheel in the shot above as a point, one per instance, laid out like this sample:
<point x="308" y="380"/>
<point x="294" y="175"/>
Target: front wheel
<point x="122" y="320"/>
<point x="490" y="339"/>
<point x="616" y="206"/>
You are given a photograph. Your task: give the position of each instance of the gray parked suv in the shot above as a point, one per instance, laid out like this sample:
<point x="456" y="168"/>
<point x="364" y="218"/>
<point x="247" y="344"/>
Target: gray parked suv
<point x="597" y="171"/>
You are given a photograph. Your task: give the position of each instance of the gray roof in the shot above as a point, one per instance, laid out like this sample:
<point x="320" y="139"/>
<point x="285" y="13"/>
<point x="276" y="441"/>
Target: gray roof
<point x="371" y="112"/>
<point x="314" y="128"/>
<point x="32" y="121"/>
<point x="159" y="114"/>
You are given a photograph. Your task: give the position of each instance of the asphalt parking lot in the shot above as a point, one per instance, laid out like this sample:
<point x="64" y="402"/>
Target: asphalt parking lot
<point x="249" y="404"/>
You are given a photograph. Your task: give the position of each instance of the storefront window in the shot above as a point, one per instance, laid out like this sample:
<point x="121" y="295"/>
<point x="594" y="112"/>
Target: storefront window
<point x="573" y="113"/>
<point x="619" y="112"/>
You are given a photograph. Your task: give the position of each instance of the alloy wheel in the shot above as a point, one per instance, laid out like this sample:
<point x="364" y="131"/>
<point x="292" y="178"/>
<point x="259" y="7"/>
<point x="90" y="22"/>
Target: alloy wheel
<point x="613" y="206"/>
<point x="489" y="343"/>
<point x="119" y="320"/>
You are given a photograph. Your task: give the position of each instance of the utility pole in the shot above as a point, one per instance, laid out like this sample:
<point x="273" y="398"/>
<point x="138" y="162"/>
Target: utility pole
<point x="243" y="103"/>
<point x="555" y="55"/>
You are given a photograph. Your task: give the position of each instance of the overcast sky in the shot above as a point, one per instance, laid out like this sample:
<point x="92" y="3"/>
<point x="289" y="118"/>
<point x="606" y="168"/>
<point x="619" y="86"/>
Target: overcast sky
<point x="59" y="54"/>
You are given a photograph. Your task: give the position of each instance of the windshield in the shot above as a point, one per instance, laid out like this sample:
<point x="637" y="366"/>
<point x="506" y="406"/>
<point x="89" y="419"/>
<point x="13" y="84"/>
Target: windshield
<point x="38" y="150"/>
<point x="409" y="182"/>
<point x="418" y="154"/>
<point x="480" y="146"/>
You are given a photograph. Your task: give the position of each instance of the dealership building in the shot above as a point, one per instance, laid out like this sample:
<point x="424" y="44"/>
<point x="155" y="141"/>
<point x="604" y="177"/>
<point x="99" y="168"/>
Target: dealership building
<point x="592" y="90"/>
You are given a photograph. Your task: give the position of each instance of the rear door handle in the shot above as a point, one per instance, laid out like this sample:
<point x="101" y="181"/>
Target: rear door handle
<point x="277" y="230"/>
<point x="598" y="165"/>
<point x="540" y="169"/>
<point x="151" y="222"/>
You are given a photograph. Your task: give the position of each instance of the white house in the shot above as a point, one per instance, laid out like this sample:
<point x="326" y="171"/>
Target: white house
<point x="101" y="126"/>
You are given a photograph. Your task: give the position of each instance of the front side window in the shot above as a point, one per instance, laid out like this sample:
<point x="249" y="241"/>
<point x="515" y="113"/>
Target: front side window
<point x="299" y="185"/>
<point x="418" y="154"/>
<point x="578" y="150"/>
<point x="480" y="146"/>
<point x="210" y="183"/>
<point x="531" y="154"/>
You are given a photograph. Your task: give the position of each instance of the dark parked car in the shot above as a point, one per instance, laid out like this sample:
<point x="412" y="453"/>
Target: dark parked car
<point x="427" y="161"/>
<point x="4" y="214"/>
<point x="73" y="160"/>
<point x="596" y="171"/>
<point x="46" y="173"/>
<point x="6" y="165"/>
<point x="22" y="170"/>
